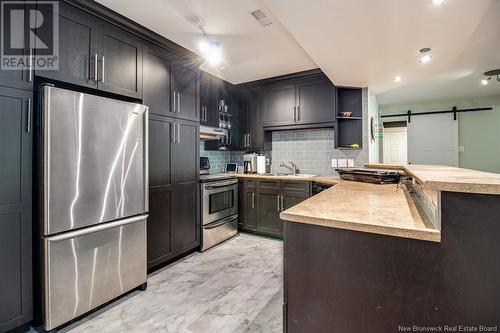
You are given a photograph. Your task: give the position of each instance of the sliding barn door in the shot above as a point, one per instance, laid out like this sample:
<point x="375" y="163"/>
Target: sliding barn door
<point x="433" y="139"/>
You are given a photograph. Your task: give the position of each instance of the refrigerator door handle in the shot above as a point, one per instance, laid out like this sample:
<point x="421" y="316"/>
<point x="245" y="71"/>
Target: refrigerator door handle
<point x="146" y="160"/>
<point x="96" y="228"/>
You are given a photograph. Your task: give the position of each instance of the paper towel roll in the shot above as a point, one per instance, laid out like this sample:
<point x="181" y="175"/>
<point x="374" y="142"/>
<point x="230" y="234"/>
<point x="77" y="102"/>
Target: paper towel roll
<point x="261" y="164"/>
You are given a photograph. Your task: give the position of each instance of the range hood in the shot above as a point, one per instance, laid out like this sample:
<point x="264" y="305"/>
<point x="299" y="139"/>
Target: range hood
<point x="212" y="133"/>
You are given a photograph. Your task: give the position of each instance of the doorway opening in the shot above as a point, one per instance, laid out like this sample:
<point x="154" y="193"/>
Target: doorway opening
<point x="395" y="149"/>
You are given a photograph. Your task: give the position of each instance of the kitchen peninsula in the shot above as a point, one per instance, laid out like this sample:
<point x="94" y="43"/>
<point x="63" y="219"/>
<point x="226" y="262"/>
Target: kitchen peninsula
<point x="373" y="258"/>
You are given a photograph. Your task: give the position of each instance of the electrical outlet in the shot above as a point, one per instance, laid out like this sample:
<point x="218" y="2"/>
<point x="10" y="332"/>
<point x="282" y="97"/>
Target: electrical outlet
<point x="461" y="149"/>
<point x="350" y="163"/>
<point x="342" y="162"/>
<point x="334" y="163"/>
<point x="267" y="161"/>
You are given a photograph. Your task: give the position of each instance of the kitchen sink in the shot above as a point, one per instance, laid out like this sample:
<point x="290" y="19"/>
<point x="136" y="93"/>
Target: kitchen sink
<point x="298" y="175"/>
<point x="303" y="175"/>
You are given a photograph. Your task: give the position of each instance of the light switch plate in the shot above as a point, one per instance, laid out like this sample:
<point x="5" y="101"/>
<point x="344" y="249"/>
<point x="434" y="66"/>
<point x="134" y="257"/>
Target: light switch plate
<point x="350" y="163"/>
<point x="461" y="149"/>
<point x="334" y="163"/>
<point x="342" y="162"/>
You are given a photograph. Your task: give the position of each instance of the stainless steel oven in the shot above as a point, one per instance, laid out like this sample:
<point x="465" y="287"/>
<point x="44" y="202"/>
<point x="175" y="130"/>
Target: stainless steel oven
<point x="220" y="199"/>
<point x="219" y="209"/>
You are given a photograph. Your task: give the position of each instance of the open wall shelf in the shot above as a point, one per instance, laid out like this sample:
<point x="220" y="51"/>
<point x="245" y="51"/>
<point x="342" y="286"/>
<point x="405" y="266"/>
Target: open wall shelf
<point x="349" y="130"/>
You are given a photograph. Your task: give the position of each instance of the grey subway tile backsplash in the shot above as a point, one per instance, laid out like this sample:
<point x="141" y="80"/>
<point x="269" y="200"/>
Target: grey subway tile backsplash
<point x="311" y="149"/>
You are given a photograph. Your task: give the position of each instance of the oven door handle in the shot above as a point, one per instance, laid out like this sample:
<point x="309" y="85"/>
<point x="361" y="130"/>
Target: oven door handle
<point x="226" y="220"/>
<point x="208" y="187"/>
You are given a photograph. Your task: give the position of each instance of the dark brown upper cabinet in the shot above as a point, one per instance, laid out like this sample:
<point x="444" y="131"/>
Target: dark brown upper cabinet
<point x="209" y="100"/>
<point x="157" y="67"/>
<point x="77" y="44"/>
<point x="185" y="90"/>
<point x="21" y="78"/>
<point x="251" y="106"/>
<point x="278" y="105"/>
<point x="307" y="101"/>
<point x="119" y="60"/>
<point x="315" y="101"/>
<point x="96" y="54"/>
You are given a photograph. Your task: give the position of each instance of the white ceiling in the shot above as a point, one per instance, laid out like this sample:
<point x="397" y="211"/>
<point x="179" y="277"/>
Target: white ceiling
<point x="250" y="50"/>
<point x="356" y="42"/>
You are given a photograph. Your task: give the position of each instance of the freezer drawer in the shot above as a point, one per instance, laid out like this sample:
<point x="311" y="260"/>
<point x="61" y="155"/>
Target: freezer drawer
<point x="88" y="267"/>
<point x="217" y="232"/>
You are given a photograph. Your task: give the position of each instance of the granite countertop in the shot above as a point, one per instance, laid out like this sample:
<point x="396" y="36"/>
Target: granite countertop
<point x="373" y="208"/>
<point x="331" y="180"/>
<point x="447" y="178"/>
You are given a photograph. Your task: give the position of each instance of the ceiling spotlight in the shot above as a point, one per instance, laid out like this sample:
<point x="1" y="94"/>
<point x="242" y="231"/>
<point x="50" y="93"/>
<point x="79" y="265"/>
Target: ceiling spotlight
<point x="397" y="78"/>
<point x="436" y="2"/>
<point x="425" y="55"/>
<point x="209" y="48"/>
<point x="490" y="74"/>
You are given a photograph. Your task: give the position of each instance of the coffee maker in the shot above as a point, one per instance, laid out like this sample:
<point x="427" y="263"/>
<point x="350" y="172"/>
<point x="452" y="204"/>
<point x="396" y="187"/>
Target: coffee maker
<point x="250" y="162"/>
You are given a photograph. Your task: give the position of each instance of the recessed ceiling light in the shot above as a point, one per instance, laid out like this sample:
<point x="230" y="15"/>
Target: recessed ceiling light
<point x="425" y="55"/>
<point x="436" y="2"/>
<point x="484" y="82"/>
<point x="397" y="78"/>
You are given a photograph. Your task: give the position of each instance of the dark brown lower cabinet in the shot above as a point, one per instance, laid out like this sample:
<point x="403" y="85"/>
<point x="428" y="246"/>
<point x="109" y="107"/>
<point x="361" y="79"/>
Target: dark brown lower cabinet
<point x="248" y="205"/>
<point x="173" y="227"/>
<point x="160" y="247"/>
<point x="185" y="217"/>
<point x="262" y="201"/>
<point x="268" y="218"/>
<point x="16" y="293"/>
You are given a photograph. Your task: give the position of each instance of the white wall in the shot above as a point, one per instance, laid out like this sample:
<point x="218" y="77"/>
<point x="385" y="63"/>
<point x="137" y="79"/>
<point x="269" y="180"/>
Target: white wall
<point x="478" y="132"/>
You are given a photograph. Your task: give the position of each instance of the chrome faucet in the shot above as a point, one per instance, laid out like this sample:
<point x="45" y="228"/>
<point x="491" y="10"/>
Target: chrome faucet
<point x="292" y="167"/>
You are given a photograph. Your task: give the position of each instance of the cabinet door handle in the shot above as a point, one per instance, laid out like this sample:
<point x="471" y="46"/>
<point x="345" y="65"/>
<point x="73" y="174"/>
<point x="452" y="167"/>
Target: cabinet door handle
<point x="249" y="140"/>
<point x="178" y="102"/>
<point x="102" y="66"/>
<point x="298" y="113"/>
<point x="30" y="64"/>
<point x="294" y="114"/>
<point x="96" y="79"/>
<point x="282" y="209"/>
<point x="178" y="133"/>
<point x="28" y="120"/>
<point x="278" y="198"/>
<point x="173" y="109"/>
<point x="172" y="136"/>
<point x="205" y="114"/>
<point x="253" y="200"/>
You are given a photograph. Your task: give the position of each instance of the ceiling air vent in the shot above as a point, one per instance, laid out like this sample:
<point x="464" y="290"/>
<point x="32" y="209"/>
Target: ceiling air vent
<point x="262" y="18"/>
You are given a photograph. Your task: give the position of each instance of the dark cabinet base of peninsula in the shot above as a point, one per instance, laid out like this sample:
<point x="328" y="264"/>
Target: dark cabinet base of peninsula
<point x="346" y="281"/>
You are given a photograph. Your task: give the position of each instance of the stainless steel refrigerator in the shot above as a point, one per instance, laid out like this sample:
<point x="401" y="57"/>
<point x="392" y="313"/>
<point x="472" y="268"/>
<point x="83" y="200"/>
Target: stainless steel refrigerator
<point x="95" y="200"/>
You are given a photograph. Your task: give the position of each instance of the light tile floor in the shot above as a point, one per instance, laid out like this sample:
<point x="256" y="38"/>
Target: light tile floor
<point x="234" y="287"/>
